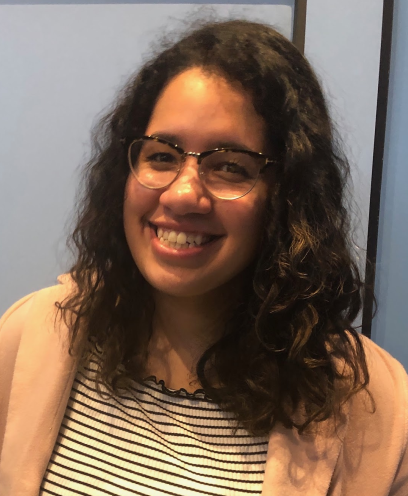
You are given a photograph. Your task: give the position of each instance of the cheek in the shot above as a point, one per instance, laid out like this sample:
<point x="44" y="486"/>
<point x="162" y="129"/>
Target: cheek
<point x="138" y="204"/>
<point x="138" y="201"/>
<point x="247" y="222"/>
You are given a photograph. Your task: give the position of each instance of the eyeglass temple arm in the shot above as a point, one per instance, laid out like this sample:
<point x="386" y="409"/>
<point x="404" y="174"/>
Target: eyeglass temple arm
<point x="267" y="163"/>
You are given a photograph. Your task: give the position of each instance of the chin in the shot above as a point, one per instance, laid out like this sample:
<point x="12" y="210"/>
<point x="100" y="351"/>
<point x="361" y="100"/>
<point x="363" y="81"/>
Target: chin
<point x="178" y="285"/>
<point x="182" y="290"/>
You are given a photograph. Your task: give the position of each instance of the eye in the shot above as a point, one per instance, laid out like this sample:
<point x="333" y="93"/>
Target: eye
<point x="161" y="161"/>
<point x="231" y="171"/>
<point x="231" y="167"/>
<point x="161" y="157"/>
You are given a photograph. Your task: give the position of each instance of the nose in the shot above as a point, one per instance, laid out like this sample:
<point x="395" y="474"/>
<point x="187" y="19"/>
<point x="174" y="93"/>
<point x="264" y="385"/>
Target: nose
<point x="187" y="194"/>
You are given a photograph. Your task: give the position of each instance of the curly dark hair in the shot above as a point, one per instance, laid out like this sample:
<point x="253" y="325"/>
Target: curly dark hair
<point x="290" y="345"/>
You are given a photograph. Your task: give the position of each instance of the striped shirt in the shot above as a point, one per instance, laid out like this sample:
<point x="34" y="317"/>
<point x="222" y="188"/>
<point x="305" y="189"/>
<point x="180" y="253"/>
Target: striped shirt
<point x="150" y="441"/>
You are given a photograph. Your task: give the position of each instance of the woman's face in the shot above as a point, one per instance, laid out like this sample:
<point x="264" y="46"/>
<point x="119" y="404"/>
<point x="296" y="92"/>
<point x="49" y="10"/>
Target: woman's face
<point x="198" y="112"/>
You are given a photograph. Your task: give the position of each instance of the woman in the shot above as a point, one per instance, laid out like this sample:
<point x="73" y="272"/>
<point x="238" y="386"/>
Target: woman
<point x="202" y="342"/>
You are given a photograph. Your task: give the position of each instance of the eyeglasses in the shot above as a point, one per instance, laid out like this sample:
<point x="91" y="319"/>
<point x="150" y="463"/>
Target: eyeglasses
<point x="226" y="173"/>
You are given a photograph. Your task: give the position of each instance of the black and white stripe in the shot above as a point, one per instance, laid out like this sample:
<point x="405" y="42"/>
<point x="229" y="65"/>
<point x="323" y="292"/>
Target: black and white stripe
<point x="151" y="441"/>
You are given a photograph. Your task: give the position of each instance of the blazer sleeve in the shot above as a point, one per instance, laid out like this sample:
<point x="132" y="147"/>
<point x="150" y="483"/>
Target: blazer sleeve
<point x="11" y="328"/>
<point x="391" y="388"/>
<point x="400" y="485"/>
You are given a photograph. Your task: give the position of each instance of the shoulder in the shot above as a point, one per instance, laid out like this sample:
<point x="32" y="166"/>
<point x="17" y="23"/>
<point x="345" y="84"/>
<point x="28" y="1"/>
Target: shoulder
<point x="376" y="441"/>
<point x="388" y="385"/>
<point x="378" y="424"/>
<point x="25" y="328"/>
<point x="37" y="306"/>
<point x="388" y="378"/>
<point x="387" y="388"/>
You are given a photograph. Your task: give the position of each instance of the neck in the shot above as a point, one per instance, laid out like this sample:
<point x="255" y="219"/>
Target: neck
<point x="183" y="328"/>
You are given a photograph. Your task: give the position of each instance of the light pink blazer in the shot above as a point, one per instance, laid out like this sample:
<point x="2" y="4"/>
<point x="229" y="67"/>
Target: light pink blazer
<point x="367" y="457"/>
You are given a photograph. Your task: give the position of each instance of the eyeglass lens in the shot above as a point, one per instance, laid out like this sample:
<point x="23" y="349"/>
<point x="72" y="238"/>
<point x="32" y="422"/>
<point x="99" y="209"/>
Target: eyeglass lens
<point x="226" y="174"/>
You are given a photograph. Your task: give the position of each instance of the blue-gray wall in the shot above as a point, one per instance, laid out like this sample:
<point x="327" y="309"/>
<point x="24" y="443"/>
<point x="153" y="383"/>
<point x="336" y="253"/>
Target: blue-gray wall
<point x="390" y="328"/>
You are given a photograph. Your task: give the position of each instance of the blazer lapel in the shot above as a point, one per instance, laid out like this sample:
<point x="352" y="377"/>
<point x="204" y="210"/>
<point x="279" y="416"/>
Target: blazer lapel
<point x="303" y="464"/>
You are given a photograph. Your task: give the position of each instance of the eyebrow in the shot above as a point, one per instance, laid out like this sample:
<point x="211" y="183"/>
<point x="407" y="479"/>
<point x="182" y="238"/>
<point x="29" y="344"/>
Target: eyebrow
<point x="176" y="140"/>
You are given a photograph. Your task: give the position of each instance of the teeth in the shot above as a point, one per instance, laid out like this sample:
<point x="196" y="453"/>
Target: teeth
<point x="180" y="240"/>
<point x="173" y="237"/>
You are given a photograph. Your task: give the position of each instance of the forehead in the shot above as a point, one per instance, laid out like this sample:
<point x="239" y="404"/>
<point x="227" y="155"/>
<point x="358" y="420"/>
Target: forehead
<point x="205" y="109"/>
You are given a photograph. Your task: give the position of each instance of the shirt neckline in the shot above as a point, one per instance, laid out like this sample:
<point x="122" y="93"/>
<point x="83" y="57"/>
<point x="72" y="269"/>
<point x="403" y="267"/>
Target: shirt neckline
<point x="198" y="394"/>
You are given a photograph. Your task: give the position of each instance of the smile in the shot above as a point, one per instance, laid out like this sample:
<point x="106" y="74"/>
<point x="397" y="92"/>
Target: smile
<point x="180" y="240"/>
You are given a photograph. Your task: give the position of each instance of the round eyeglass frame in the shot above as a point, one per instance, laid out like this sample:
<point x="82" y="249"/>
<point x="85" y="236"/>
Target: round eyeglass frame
<point x="129" y="141"/>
